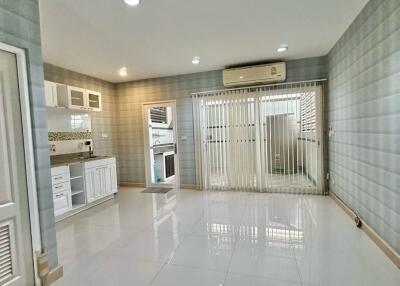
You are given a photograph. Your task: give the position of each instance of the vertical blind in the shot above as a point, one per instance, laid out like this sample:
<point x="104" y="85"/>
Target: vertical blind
<point x="265" y="139"/>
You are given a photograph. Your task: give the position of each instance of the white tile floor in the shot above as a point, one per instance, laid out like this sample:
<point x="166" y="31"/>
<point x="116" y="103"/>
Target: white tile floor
<point x="219" y="238"/>
<point x="278" y="183"/>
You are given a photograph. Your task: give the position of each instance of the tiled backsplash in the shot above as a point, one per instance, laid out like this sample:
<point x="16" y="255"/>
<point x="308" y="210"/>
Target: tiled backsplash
<point x="63" y="136"/>
<point x="68" y="131"/>
<point x="63" y="120"/>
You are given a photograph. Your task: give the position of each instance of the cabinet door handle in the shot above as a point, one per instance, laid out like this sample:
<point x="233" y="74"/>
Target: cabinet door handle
<point x="58" y="178"/>
<point x="58" y="187"/>
<point x="59" y="195"/>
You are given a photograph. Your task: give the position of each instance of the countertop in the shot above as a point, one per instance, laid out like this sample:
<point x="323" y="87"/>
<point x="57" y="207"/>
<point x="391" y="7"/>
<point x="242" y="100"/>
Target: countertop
<point x="77" y="160"/>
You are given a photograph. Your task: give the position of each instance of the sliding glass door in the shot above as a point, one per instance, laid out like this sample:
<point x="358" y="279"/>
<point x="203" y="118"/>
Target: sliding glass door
<point x="263" y="140"/>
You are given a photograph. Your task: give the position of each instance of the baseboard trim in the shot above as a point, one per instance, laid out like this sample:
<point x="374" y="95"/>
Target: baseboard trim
<point x="392" y="254"/>
<point x="143" y="185"/>
<point x="83" y="208"/>
<point x="188" y="187"/>
<point x="135" y="185"/>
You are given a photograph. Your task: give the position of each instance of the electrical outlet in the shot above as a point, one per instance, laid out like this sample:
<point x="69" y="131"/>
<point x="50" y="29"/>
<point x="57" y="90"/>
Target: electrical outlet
<point x="331" y="131"/>
<point x="52" y="148"/>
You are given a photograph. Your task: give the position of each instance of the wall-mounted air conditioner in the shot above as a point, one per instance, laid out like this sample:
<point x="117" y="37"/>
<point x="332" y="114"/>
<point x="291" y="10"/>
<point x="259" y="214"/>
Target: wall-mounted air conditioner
<point x="258" y="74"/>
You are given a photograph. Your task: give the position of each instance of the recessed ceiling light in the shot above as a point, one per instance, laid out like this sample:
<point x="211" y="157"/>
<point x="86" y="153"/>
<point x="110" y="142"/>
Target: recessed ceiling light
<point x="132" y="2"/>
<point x="196" y="60"/>
<point x="123" y="72"/>
<point x="282" y="48"/>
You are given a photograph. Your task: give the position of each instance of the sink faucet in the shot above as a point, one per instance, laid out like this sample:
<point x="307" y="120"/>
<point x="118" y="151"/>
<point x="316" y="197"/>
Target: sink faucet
<point x="88" y="143"/>
<point x="90" y="151"/>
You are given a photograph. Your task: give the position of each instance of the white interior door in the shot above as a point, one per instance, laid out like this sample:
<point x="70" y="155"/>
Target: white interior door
<point x="16" y="262"/>
<point x="161" y="149"/>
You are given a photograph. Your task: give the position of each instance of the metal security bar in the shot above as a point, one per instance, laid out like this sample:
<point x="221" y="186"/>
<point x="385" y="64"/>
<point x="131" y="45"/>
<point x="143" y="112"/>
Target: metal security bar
<point x="266" y="139"/>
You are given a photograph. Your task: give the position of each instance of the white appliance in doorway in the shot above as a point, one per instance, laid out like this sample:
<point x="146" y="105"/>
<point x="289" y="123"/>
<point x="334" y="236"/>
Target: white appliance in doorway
<point x="19" y="224"/>
<point x="160" y="144"/>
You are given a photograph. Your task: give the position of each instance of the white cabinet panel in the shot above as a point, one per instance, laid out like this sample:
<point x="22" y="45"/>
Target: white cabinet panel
<point x="66" y="186"/>
<point x="55" y="94"/>
<point x="100" y="162"/>
<point x="99" y="184"/>
<point x="77" y="98"/>
<point x="62" y="202"/>
<point x="90" y="184"/>
<point x="61" y="178"/>
<point x="61" y="95"/>
<point x="101" y="179"/>
<point x="114" y="183"/>
<point x="59" y="175"/>
<point x="61" y="186"/>
<point x="50" y="92"/>
<point x="59" y="170"/>
<point x="94" y="100"/>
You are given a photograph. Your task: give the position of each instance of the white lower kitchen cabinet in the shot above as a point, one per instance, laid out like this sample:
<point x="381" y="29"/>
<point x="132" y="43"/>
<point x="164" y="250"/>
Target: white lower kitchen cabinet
<point x="78" y="185"/>
<point x="62" y="202"/>
<point x="100" y="179"/>
<point x="60" y="178"/>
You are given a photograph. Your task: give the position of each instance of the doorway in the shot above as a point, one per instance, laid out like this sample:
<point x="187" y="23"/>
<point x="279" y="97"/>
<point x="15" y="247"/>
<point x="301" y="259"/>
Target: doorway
<point x="160" y="143"/>
<point x="16" y="173"/>
<point x="266" y="140"/>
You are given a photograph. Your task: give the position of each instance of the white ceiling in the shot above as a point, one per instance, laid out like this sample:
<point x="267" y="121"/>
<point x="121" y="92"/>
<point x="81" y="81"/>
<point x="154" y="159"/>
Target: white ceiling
<point x="160" y="37"/>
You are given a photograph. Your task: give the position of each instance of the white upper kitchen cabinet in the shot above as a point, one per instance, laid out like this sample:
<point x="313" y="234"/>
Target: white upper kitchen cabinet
<point x="50" y="92"/>
<point x="83" y="99"/>
<point x="77" y="98"/>
<point x="65" y="96"/>
<point x="56" y="94"/>
<point x="94" y="100"/>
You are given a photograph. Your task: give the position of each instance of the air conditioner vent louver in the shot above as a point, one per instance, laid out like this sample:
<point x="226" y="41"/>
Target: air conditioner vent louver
<point x="158" y="114"/>
<point x="6" y="268"/>
<point x="255" y="74"/>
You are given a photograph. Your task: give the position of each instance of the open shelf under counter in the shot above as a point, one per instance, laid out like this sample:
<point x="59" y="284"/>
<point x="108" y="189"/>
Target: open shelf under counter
<point x="77" y="177"/>
<point x="77" y="192"/>
<point x="77" y="206"/>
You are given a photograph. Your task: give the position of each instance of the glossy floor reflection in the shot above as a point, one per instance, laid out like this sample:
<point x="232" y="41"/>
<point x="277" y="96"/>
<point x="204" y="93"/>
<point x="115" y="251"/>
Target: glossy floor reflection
<point x="188" y="237"/>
